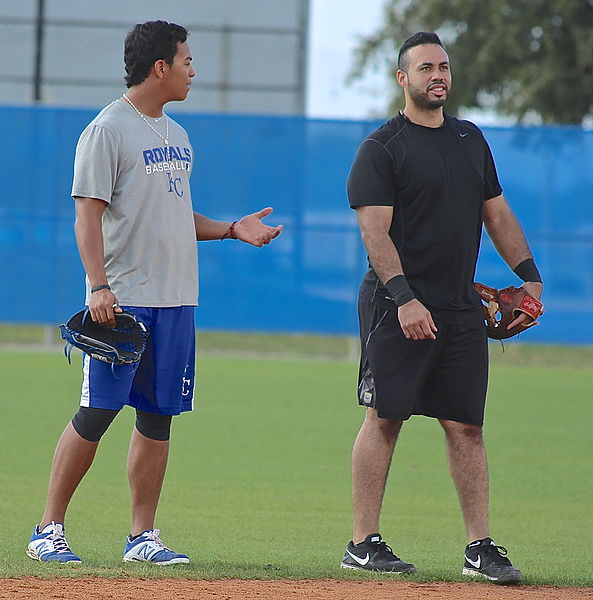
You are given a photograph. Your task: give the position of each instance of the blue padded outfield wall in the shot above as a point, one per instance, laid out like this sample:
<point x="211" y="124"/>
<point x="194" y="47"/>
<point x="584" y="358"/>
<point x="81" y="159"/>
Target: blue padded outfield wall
<point x="306" y="281"/>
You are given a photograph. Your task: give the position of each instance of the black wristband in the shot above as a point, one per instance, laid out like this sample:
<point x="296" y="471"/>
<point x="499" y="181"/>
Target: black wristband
<point x="105" y="286"/>
<point x="399" y="290"/>
<point x="527" y="271"/>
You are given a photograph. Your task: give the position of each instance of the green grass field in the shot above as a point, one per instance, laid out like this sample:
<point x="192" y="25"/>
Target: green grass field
<point x="258" y="484"/>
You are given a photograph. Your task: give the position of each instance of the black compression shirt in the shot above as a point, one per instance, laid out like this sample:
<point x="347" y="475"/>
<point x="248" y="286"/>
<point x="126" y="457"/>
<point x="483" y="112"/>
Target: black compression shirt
<point x="436" y="179"/>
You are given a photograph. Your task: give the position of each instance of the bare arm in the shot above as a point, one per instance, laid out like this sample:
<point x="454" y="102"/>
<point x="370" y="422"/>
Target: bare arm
<point x="249" y="229"/>
<point x="505" y="231"/>
<point x="209" y="229"/>
<point x="89" y="237"/>
<point x="375" y="222"/>
<point x="508" y="238"/>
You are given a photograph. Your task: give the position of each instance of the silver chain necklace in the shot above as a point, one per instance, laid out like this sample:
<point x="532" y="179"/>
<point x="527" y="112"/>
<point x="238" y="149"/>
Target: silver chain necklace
<point x="166" y="138"/>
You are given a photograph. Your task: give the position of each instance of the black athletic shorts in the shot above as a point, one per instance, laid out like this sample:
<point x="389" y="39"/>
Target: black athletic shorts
<point x="444" y="378"/>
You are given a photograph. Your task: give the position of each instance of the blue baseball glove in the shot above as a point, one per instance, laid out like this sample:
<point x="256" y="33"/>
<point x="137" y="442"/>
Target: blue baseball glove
<point x="120" y="345"/>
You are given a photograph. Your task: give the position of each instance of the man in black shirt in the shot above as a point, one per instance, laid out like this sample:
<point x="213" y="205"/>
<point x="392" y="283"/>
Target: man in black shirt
<point x="422" y="185"/>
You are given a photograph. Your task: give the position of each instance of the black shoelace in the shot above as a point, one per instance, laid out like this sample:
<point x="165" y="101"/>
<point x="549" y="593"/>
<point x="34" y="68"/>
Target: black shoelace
<point x="383" y="548"/>
<point x="500" y="552"/>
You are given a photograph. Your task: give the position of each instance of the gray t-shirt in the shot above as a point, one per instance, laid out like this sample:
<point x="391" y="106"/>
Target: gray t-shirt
<point x="148" y="226"/>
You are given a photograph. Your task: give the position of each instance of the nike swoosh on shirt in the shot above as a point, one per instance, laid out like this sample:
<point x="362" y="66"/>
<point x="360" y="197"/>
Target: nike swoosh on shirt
<point x="361" y="561"/>
<point x="462" y="135"/>
<point x="475" y="563"/>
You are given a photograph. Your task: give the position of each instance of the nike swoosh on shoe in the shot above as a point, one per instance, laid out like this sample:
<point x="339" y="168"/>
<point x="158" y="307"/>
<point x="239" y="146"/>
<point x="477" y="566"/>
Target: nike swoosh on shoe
<point x="475" y="563"/>
<point x="361" y="561"/>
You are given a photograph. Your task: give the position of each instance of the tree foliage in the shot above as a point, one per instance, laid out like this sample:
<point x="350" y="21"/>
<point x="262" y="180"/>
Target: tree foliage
<point x="522" y="58"/>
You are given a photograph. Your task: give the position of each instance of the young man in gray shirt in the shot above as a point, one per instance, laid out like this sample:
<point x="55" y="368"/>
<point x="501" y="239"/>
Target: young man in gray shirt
<point x="136" y="232"/>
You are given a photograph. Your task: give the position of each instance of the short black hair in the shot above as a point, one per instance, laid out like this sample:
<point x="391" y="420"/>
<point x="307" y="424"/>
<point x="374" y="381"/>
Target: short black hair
<point x="418" y="39"/>
<point x="148" y="42"/>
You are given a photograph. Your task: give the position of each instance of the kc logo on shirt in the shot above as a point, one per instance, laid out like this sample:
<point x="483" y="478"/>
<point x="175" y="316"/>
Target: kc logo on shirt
<point x="169" y="160"/>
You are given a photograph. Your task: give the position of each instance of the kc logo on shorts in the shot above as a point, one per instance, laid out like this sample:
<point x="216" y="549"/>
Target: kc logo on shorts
<point x="186" y="383"/>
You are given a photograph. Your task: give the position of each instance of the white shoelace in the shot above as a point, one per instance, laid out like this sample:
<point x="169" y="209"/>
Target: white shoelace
<point x="59" y="540"/>
<point x="153" y="536"/>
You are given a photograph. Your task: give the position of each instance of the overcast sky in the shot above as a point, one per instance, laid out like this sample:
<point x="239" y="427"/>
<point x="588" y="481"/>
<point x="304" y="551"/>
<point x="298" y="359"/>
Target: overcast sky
<point x="335" y="26"/>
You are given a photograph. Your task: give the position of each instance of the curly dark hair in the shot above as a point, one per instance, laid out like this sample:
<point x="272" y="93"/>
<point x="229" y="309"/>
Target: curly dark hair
<point x="148" y="42"/>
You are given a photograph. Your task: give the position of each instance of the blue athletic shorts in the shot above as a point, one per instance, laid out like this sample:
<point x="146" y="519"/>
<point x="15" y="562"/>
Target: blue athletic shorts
<point x="162" y="382"/>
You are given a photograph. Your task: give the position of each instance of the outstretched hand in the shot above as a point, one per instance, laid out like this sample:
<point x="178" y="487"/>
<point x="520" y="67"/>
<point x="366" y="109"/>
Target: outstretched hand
<point x="251" y="230"/>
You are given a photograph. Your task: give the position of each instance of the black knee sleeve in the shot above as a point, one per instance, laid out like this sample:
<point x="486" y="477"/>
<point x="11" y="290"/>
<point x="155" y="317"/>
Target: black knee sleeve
<point x="92" y="423"/>
<point x="152" y="426"/>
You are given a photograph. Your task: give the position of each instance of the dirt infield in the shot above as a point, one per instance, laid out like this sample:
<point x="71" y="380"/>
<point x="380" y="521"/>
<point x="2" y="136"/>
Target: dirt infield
<point x="32" y="588"/>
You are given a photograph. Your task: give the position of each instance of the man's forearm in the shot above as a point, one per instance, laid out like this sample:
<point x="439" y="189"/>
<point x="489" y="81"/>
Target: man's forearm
<point x="209" y="229"/>
<point x="506" y="232"/>
<point x="509" y="240"/>
<point x="89" y="238"/>
<point x="90" y="247"/>
<point x="386" y="262"/>
<point x="383" y="256"/>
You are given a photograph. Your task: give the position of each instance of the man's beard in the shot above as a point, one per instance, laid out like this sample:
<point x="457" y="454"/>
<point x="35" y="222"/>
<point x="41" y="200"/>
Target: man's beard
<point x="423" y="102"/>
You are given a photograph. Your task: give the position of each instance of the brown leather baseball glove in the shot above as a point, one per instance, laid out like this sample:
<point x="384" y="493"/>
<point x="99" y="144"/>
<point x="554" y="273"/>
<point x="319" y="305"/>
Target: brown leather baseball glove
<point x="501" y="307"/>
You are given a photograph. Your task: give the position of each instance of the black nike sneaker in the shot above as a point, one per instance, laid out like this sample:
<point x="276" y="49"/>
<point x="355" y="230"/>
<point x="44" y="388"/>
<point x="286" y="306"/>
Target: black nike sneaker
<point x="485" y="559"/>
<point x="373" y="554"/>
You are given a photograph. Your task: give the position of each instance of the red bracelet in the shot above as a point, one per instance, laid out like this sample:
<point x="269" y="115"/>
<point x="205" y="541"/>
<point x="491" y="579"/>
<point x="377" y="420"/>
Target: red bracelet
<point x="230" y="233"/>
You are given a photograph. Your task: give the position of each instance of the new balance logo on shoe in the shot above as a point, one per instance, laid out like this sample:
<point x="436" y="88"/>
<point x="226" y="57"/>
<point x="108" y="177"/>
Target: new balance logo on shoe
<point x="146" y="552"/>
<point x="50" y="545"/>
<point x="44" y="547"/>
<point x="148" y="547"/>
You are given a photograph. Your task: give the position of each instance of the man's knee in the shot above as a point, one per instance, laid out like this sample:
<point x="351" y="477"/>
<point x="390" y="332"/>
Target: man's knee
<point x="92" y="423"/>
<point x="466" y="431"/>
<point x="153" y="426"/>
<point x="389" y="428"/>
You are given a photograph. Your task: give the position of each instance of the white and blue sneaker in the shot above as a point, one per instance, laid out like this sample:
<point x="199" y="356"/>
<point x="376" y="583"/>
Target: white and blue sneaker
<point x="50" y="545"/>
<point x="147" y="547"/>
